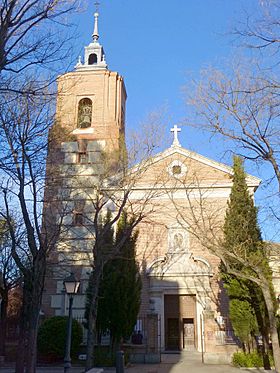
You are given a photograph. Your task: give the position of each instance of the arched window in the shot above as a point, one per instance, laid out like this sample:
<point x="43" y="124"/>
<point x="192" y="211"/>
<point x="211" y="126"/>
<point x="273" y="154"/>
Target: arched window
<point x="92" y="59"/>
<point x="84" y="113"/>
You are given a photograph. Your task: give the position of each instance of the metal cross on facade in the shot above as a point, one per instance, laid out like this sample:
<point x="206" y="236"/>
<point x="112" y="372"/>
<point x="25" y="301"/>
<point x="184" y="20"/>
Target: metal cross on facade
<point x="175" y="131"/>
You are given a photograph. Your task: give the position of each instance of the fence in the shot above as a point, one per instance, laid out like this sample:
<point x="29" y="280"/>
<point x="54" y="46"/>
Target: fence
<point x="224" y="333"/>
<point x="224" y="337"/>
<point x="144" y="343"/>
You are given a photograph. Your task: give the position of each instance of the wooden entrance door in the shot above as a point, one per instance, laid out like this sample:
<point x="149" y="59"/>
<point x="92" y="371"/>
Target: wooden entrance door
<point x="188" y="334"/>
<point x="179" y="321"/>
<point x="173" y="334"/>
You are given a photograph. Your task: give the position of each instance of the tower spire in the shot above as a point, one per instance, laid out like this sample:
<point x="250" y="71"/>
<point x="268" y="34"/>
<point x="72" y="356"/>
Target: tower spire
<point x="94" y="53"/>
<point x="95" y="34"/>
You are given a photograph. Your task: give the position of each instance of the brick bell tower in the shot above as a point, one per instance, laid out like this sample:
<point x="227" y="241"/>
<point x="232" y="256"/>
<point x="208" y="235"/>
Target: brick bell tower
<point x="90" y="119"/>
<point x="91" y="99"/>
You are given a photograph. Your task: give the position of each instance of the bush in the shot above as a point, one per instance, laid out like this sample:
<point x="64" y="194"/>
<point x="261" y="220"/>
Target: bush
<point x="103" y="357"/>
<point x="250" y="360"/>
<point x="52" y="336"/>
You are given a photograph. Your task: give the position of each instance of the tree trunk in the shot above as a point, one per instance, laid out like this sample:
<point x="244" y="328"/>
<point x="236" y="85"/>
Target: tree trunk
<point x="31" y="357"/>
<point x="272" y="323"/>
<point x="20" y="361"/>
<point x="92" y="317"/>
<point x="265" y="353"/>
<point x="3" y="321"/>
<point x="113" y="347"/>
<point x="262" y="320"/>
<point x="36" y="300"/>
<point x="32" y="297"/>
<point x="90" y="340"/>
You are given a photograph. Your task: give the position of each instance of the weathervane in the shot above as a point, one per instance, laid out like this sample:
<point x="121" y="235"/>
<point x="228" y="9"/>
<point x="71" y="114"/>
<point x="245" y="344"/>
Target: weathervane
<point x="97" y="3"/>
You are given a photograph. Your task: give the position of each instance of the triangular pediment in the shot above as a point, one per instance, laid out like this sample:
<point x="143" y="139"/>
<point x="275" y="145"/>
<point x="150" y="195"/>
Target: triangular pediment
<point x="185" y="167"/>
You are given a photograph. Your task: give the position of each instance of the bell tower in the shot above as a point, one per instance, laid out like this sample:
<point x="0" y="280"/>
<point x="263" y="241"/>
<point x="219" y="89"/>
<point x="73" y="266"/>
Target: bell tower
<point x="90" y="121"/>
<point x="91" y="99"/>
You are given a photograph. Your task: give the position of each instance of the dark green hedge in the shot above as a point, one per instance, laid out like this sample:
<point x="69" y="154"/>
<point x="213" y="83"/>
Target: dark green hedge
<point x="52" y="336"/>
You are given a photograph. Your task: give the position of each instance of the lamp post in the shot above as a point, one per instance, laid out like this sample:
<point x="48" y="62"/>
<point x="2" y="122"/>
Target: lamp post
<point x="71" y="285"/>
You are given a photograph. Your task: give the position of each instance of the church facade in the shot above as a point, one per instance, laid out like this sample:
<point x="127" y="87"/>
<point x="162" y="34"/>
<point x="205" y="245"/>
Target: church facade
<point x="184" y="305"/>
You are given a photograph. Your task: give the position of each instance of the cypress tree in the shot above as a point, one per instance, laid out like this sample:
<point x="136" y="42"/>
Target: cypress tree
<point x="241" y="310"/>
<point x="107" y="244"/>
<point x="120" y="290"/>
<point x="241" y="230"/>
<point x="242" y="237"/>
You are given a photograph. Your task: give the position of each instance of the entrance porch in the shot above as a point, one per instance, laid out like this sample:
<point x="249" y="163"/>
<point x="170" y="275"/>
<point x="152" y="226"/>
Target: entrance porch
<point x="180" y="322"/>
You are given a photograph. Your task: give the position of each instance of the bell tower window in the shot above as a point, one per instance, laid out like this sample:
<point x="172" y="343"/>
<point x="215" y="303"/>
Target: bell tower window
<point x="84" y="113"/>
<point x="82" y="157"/>
<point x="94" y="54"/>
<point x="92" y="59"/>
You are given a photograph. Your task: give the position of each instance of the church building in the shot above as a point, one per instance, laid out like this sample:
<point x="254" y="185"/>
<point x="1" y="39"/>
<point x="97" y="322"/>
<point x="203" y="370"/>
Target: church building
<point x="184" y="305"/>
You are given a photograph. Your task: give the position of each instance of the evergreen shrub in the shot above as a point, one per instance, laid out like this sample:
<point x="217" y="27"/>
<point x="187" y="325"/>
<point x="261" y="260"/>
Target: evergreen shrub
<point x="249" y="360"/>
<point x="103" y="357"/>
<point x="52" y="337"/>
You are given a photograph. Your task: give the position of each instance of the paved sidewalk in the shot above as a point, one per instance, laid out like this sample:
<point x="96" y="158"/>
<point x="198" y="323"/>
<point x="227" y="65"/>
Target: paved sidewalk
<point x="59" y="369"/>
<point x="188" y="362"/>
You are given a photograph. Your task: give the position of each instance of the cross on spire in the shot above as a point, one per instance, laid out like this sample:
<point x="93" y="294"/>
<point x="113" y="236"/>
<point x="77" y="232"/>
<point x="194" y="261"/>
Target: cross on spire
<point x="175" y="131"/>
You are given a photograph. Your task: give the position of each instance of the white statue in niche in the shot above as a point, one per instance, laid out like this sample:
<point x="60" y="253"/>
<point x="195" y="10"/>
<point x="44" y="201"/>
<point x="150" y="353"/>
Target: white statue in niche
<point x="84" y="113"/>
<point x="177" y="240"/>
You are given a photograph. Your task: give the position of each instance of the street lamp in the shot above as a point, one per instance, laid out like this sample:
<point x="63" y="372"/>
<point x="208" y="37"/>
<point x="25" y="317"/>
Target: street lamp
<point x="71" y="285"/>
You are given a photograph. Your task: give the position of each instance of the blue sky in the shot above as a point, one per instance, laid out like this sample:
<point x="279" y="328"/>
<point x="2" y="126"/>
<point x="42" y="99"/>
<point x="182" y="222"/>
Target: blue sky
<point x="157" y="46"/>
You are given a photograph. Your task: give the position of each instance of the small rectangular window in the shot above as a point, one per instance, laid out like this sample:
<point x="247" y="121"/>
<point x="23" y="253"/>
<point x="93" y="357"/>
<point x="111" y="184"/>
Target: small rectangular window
<point x="78" y="219"/>
<point x="82" y="157"/>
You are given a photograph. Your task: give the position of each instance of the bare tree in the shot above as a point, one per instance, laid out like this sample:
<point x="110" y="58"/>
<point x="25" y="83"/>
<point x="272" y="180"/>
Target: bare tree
<point x="31" y="55"/>
<point x="28" y="39"/>
<point x="260" y="31"/>
<point x="122" y="201"/>
<point x="24" y="125"/>
<point x="110" y="184"/>
<point x="204" y="218"/>
<point x="242" y="106"/>
<point x="239" y="102"/>
<point x="9" y="279"/>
